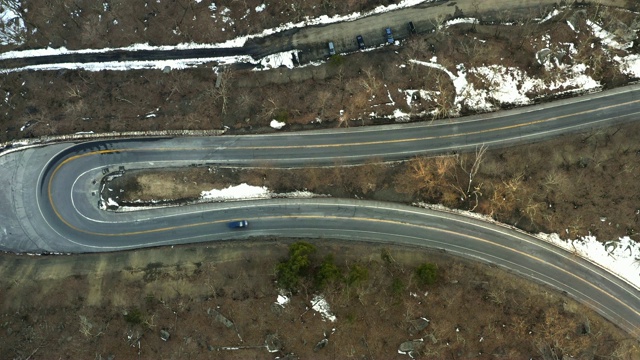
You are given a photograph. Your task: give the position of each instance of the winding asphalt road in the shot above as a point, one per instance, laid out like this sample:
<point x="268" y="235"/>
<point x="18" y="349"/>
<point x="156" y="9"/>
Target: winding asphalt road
<point x="50" y="201"/>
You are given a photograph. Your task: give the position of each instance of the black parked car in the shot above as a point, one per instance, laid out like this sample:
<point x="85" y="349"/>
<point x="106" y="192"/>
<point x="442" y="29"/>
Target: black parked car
<point x="412" y="28"/>
<point x="360" y="42"/>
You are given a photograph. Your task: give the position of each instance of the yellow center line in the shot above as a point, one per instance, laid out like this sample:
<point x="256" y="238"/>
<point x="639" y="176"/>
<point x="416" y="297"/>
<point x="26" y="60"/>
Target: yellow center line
<point x="379" y="142"/>
<point x="384" y="221"/>
<point x="507" y="127"/>
<point x="101" y="152"/>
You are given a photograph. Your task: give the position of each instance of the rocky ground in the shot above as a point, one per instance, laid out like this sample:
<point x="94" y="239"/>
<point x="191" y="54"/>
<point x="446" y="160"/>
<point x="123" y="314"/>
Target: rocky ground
<point x="219" y="301"/>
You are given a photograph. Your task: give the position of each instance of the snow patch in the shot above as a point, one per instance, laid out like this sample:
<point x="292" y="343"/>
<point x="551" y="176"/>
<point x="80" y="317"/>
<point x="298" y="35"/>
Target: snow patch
<point x="12" y="28"/>
<point x="248" y="192"/>
<point x="401" y="116"/>
<point x="277" y="60"/>
<point x="283" y="299"/>
<point x="510" y="86"/>
<point x="620" y="257"/>
<point x="277" y="124"/>
<point x="320" y="305"/>
<point x="550" y="16"/>
<point x="460" y="21"/>
<point x="629" y="65"/>
<point x="242" y="191"/>
<point x="607" y="38"/>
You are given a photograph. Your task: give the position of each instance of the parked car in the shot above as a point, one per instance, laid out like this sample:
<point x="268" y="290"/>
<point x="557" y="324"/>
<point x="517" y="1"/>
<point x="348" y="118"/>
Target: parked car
<point x="412" y="28"/>
<point x="360" y="42"/>
<point x="332" y="49"/>
<point x="238" y="224"/>
<point x="389" y="35"/>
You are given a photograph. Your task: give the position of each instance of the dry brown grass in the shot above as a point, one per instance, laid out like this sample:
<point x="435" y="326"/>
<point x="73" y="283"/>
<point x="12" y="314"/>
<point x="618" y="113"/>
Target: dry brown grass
<point x="174" y="288"/>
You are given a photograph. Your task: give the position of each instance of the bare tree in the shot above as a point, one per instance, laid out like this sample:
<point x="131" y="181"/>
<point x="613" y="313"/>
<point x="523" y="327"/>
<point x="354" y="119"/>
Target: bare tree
<point x="269" y="109"/>
<point x="223" y="88"/>
<point x="371" y="84"/>
<point x="443" y="96"/>
<point x="472" y="190"/>
<point x="323" y="97"/>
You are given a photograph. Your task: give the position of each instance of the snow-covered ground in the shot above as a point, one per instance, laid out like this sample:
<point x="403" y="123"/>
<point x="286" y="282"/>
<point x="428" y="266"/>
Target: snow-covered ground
<point x="621" y="257"/>
<point x="508" y="85"/>
<point x="12" y="28"/>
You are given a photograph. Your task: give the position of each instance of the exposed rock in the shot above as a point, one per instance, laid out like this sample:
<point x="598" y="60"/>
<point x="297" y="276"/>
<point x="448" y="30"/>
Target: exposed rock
<point x="418" y="325"/>
<point x="585" y="327"/>
<point x="220" y="318"/>
<point x="406" y="347"/>
<point x="321" y="344"/>
<point x="276" y="308"/>
<point x="411" y="347"/>
<point x="273" y="343"/>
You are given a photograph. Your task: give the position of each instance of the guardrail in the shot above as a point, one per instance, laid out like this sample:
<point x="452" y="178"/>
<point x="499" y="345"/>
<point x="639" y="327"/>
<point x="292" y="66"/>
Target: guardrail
<point x="15" y="145"/>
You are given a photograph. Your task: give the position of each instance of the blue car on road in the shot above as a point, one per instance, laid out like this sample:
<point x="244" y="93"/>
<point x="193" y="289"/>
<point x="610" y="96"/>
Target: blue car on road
<point x="238" y="224"/>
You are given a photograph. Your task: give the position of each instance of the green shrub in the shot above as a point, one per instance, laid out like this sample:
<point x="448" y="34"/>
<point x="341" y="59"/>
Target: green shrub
<point x="282" y="116"/>
<point x="351" y="318"/>
<point x="328" y="272"/>
<point x="427" y="273"/>
<point x="289" y="272"/>
<point x="397" y="287"/>
<point x="357" y="275"/>
<point x="336" y="60"/>
<point x="385" y="255"/>
<point x="286" y="276"/>
<point x="134" y="316"/>
<point x="150" y="300"/>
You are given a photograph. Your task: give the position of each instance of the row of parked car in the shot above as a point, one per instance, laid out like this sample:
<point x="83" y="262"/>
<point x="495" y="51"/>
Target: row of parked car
<point x="360" y="39"/>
